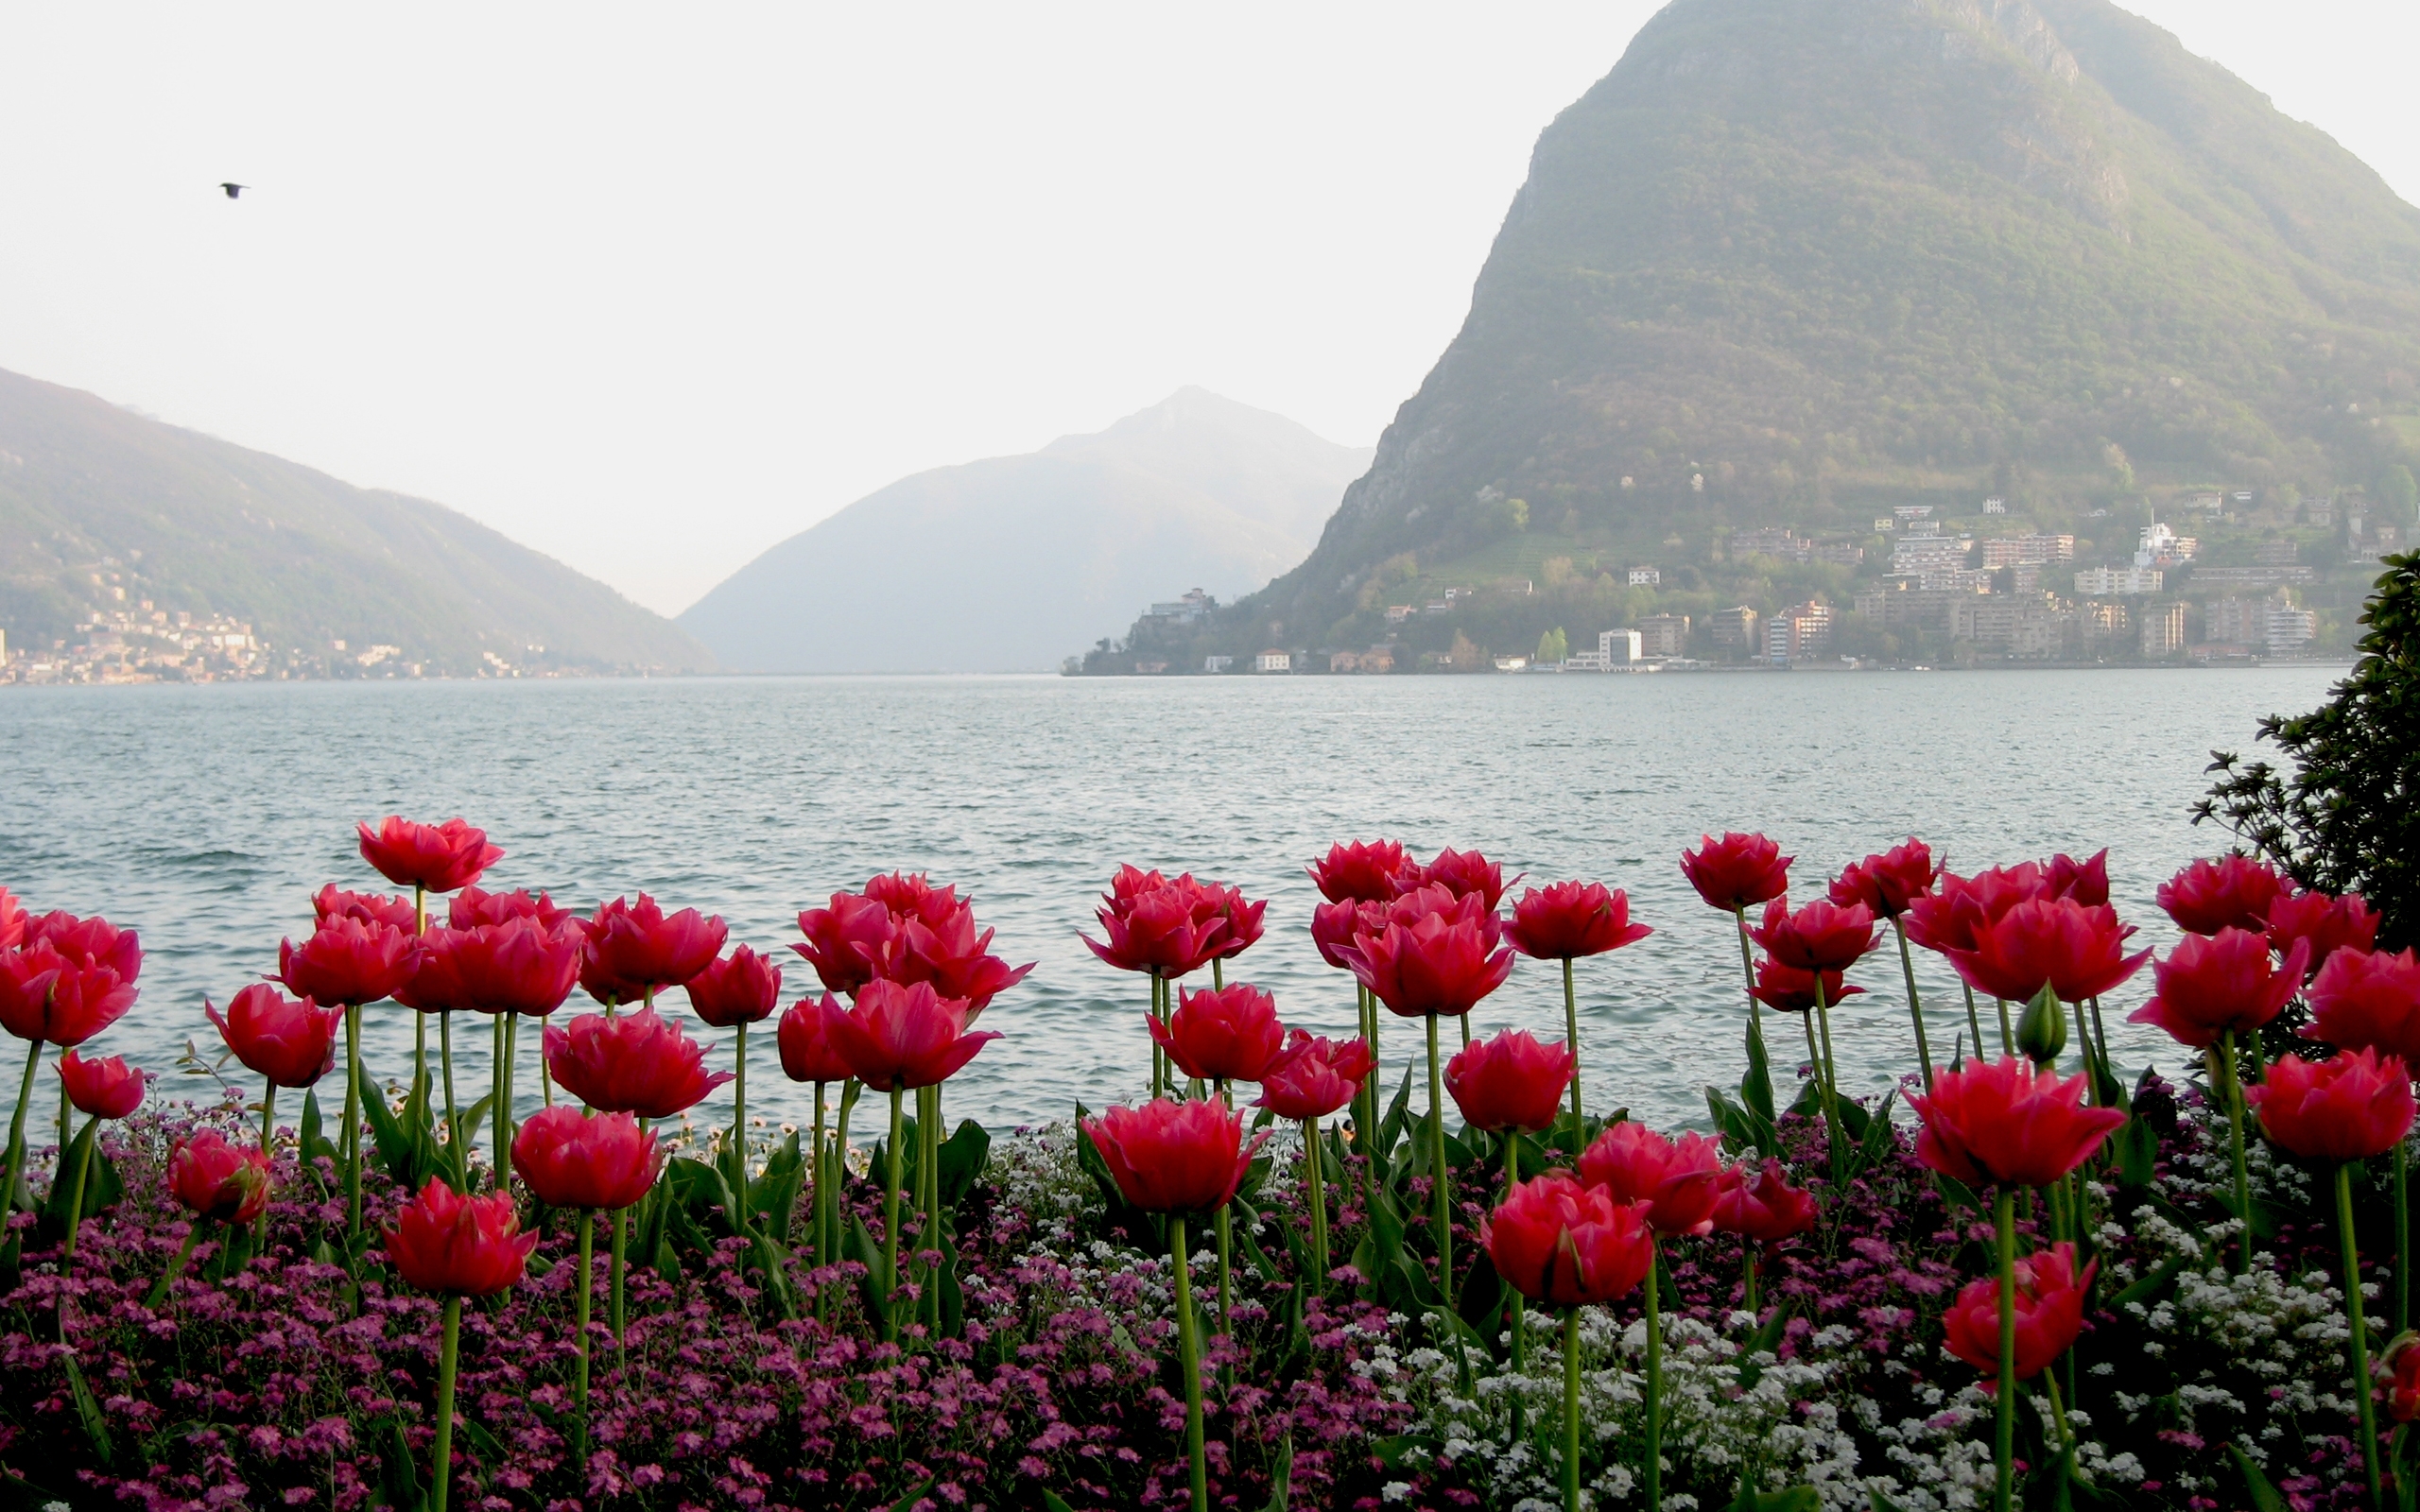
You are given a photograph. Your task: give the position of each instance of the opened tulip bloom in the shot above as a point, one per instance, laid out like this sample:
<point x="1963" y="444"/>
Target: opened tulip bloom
<point x="2367" y="1000"/>
<point x="1362" y="871"/>
<point x="2078" y="950"/>
<point x="1228" y="1034"/>
<point x="456" y="1246"/>
<point x="473" y="907"/>
<point x="1244" y="921"/>
<point x="1509" y="1082"/>
<point x="69" y="979"/>
<point x="1333" y="927"/>
<point x="845" y="939"/>
<point x="433" y="857"/>
<point x="2006" y="1121"/>
<point x="1820" y="936"/>
<point x="1315" y="1076"/>
<point x="2324" y="922"/>
<point x="1672" y="1181"/>
<point x="1564" y="922"/>
<point x="333" y="902"/>
<point x="348" y="961"/>
<point x="637" y="1063"/>
<point x="1168" y="929"/>
<point x="1737" y="871"/>
<point x="633" y="950"/>
<point x="2213" y="984"/>
<point x="571" y="1158"/>
<point x="2048" y="1305"/>
<point x="2233" y="892"/>
<point x="1464" y="873"/>
<point x="1890" y="884"/>
<point x="1758" y="1203"/>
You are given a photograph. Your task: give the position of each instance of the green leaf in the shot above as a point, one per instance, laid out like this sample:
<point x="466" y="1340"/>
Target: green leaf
<point x="1766" y="1340"/>
<point x="874" y="1285"/>
<point x="1957" y="1193"/>
<point x="964" y="1157"/>
<point x="102" y="1188"/>
<point x="1281" y="1475"/>
<point x="1876" y="1501"/>
<point x="398" y="1476"/>
<point x="1392" y="1451"/>
<point x="96" y="1428"/>
<point x="1756" y="1086"/>
<point x="2145" y="1289"/>
<point x="907" y="1503"/>
<point x="2264" y="1496"/>
<point x="953" y="1299"/>
<point x="1797" y="1499"/>
<point x="1051" y="1502"/>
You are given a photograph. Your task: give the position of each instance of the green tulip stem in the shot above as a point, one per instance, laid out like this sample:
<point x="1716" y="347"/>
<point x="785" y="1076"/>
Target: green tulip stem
<point x="2358" y="1344"/>
<point x="614" y="1290"/>
<point x="1520" y="1322"/>
<point x="499" y="1069"/>
<point x="16" y="1157"/>
<point x="2232" y="1091"/>
<point x="1314" y="1189"/>
<point x="75" y="1198"/>
<point x="840" y="1166"/>
<point x="1218" y="974"/>
<point x="420" y="1021"/>
<point x="2004" y="1441"/>
<point x="65" y="1108"/>
<point x="2402" y="1241"/>
<point x="2059" y="1416"/>
<point x="580" y="1303"/>
<point x="268" y="1124"/>
<point x="739" y="1097"/>
<point x="452" y="1125"/>
<point x="1440" y="1178"/>
<point x="440" y="1468"/>
<point x="1188" y="1349"/>
<point x="1571" y="1037"/>
<point x="353" y="1118"/>
<point x="1464" y="1020"/>
<point x="507" y="1124"/>
<point x="2091" y="1065"/>
<point x="1916" y="1005"/>
<point x="1571" y="1409"/>
<point x="2008" y="1036"/>
<point x="891" y="1219"/>
<point x="1748" y="968"/>
<point x="176" y="1267"/>
<point x="1159" y="1056"/>
<point x="822" y="1190"/>
<point x="1655" y="1377"/>
<point x="930" y="1160"/>
<point x="1824" y="1076"/>
<point x="2100" y="1037"/>
<point x="1973" y="1022"/>
<point x="1223" y="1223"/>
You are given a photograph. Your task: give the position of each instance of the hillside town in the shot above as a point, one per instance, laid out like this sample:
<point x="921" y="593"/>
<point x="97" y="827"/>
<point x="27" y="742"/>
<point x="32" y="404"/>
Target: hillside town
<point x="146" y="643"/>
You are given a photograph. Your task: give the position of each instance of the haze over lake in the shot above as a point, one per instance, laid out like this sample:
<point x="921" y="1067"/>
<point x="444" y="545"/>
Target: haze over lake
<point x="205" y="817"/>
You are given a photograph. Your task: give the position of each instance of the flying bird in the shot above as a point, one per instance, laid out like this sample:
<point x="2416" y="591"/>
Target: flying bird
<point x="235" y="189"/>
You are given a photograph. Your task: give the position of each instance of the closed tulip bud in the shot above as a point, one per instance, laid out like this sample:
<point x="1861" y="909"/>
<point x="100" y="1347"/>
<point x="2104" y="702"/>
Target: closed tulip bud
<point x="638" y="1063"/>
<point x="2401" y="1363"/>
<point x="101" y="1089"/>
<point x="459" y="1246"/>
<point x="2233" y="892"/>
<point x="1737" y="871"/>
<point x="1889" y="883"/>
<point x="2367" y="1000"/>
<point x="1315" y="1076"/>
<point x="809" y="1051"/>
<point x="905" y="1037"/>
<point x="1362" y="871"/>
<point x="569" y="1158"/>
<point x="1565" y="921"/>
<point x="1571" y="1245"/>
<point x="741" y="987"/>
<point x="439" y="857"/>
<point x="1229" y="1034"/>
<point x="1820" y="937"/>
<point x="1172" y="1156"/>
<point x="2049" y="1298"/>
<point x="2042" y="1029"/>
<point x="2348" y="1108"/>
<point x="1510" y="1081"/>
<point x="219" y="1182"/>
<point x="632" y="949"/>
<point x="290" y="1041"/>
<point x="1759" y="1205"/>
<point x="347" y="960"/>
<point x="2211" y="983"/>
<point x="2006" y="1120"/>
<point x="1792" y="990"/>
<point x="1673" y="1181"/>
<point x="2323" y="923"/>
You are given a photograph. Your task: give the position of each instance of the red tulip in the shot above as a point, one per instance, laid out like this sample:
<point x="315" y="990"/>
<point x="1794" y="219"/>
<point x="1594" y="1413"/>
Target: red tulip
<point x="632" y="949"/>
<point x="844" y="940"/>
<point x="1568" y="920"/>
<point x="217" y="1180"/>
<point x="904" y="1035"/>
<point x="1363" y="872"/>
<point x="809" y="1050"/>
<point x="1229" y="1034"/>
<point x="471" y="907"/>
<point x="2080" y="950"/>
<point x="569" y="1158"/>
<point x="1333" y="927"/>
<point x="1315" y="1076"/>
<point x="2211" y="983"/>
<point x="912" y="895"/>
<point x="1510" y="1081"/>
<point x="741" y="987"/>
<point x="1440" y="963"/>
<point x="2348" y="1108"/>
<point x="954" y="958"/>
<point x="1464" y="873"/>
<point x="1737" y="871"/>
<point x="637" y="1063"/>
<point x="439" y="857"/>
<point x="1792" y="990"/>
<point x="2086" y="880"/>
<point x="2402" y="1364"/>
<point x="2368" y="1000"/>
<point x="2050" y="1298"/>
<point x="905" y="929"/>
<point x="291" y="1042"/>
<point x="1820" y="937"/>
<point x="2232" y="891"/>
<point x="2324" y="922"/>
<point x="1759" y="1205"/>
<point x="1169" y="928"/>
<point x="12" y="920"/>
<point x="1172" y="1156"/>
<point x="1952" y="918"/>
<point x="347" y="960"/>
<point x="1558" y="1242"/>
<point x="333" y="902"/>
<point x="61" y="999"/>
<point x="2007" y="1122"/>
<point x="1887" y="884"/>
<point x="519" y="965"/>
<point x="92" y="941"/>
<point x="461" y="1246"/>
<point x="1672" y="1180"/>
<point x="1243" y="917"/>
<point x="102" y="1088"/>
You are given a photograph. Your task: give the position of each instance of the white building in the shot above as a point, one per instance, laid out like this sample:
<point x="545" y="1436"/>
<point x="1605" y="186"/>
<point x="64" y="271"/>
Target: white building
<point x="2287" y="628"/>
<point x="2159" y="546"/>
<point x="1645" y="578"/>
<point x="1272" y="662"/>
<point x="1217" y="663"/>
<point x="2101" y="582"/>
<point x="1995" y="505"/>
<point x="1620" y="648"/>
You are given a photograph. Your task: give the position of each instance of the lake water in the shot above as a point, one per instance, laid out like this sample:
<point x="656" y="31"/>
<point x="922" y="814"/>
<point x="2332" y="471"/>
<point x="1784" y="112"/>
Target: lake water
<point x="206" y="817"/>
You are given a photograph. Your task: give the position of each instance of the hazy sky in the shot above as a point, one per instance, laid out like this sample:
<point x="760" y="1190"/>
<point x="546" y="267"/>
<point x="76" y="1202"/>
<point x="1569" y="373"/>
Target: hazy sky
<point x="650" y="289"/>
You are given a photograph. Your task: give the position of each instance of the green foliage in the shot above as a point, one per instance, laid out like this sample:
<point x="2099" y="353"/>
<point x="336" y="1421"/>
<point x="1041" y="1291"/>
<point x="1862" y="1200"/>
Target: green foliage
<point x="1552" y="646"/>
<point x="2343" y="820"/>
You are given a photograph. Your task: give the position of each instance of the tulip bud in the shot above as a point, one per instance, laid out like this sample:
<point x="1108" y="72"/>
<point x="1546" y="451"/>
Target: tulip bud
<point x="2041" y="1033"/>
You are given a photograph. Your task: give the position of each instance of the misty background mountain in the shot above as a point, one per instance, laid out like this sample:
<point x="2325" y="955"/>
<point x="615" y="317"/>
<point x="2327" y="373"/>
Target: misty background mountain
<point x="1794" y="263"/>
<point x="1008" y="564"/>
<point x="102" y="509"/>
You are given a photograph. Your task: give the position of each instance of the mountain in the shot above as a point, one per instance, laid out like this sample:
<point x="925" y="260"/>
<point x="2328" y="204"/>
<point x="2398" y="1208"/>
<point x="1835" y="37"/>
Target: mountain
<point x="1008" y="564"/>
<point x="1793" y="262"/>
<point x="102" y="507"/>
